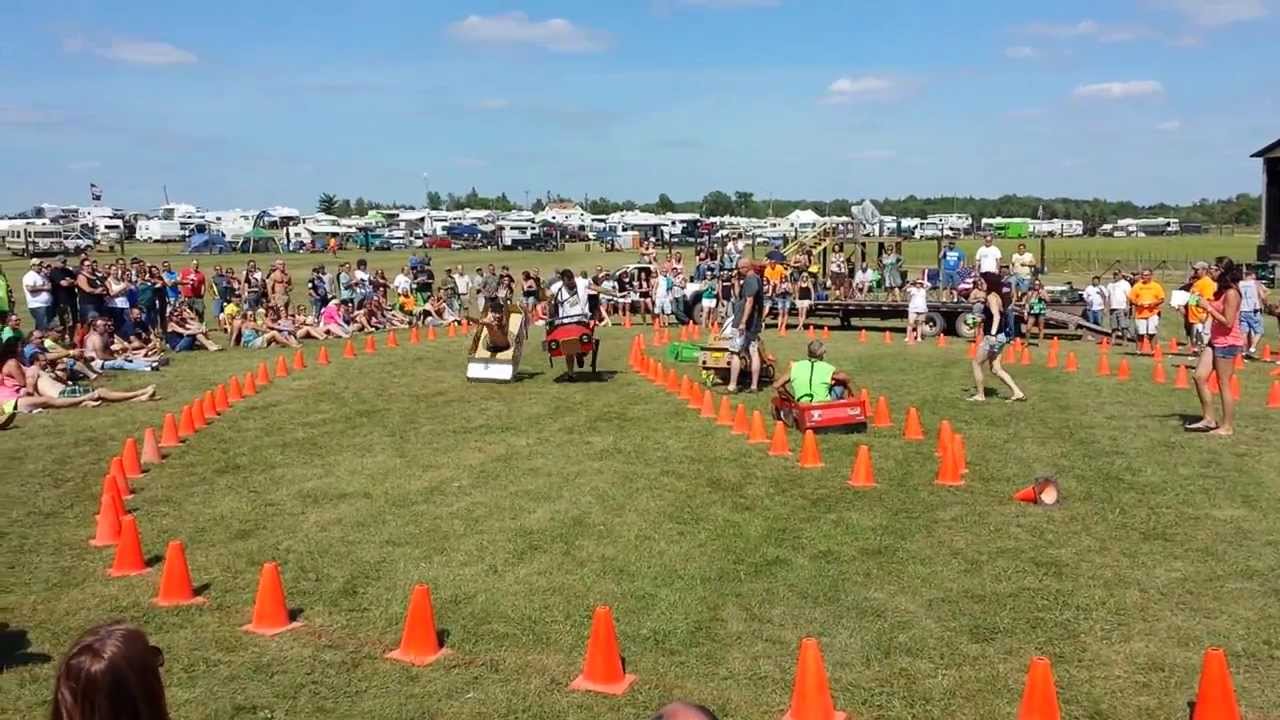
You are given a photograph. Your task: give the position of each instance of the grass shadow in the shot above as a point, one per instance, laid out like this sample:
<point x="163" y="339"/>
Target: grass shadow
<point x="600" y="376"/>
<point x="201" y="589"/>
<point x="523" y="375"/>
<point x="295" y="614"/>
<point x="14" y="649"/>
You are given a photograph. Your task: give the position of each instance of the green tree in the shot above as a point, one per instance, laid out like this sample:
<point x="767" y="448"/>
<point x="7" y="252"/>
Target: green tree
<point x="434" y="201"/>
<point x="664" y="204"/>
<point x="327" y="203"/>
<point x="452" y="202"/>
<point x="538" y="206"/>
<point x="744" y="203"/>
<point x="717" y="203"/>
<point x="343" y="209"/>
<point x="472" y="199"/>
<point x="360" y="208"/>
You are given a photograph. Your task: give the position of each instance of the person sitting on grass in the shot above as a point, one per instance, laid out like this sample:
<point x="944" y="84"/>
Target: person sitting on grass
<point x="279" y="321"/>
<point x="17" y="396"/>
<point x="333" y="321"/>
<point x="102" y="356"/>
<point x="256" y="336"/>
<point x="305" y="326"/>
<point x="813" y="380"/>
<point x="137" y="335"/>
<point x="437" y="311"/>
<point x="111" y="671"/>
<point x="185" y="331"/>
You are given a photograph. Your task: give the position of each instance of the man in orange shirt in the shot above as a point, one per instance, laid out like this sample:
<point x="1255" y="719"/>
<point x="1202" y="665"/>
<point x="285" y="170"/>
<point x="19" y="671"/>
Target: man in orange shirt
<point x="1146" y="297"/>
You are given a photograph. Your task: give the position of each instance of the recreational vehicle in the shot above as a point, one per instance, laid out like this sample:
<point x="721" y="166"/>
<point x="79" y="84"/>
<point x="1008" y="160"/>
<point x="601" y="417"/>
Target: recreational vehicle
<point x="160" y="231"/>
<point x="30" y="239"/>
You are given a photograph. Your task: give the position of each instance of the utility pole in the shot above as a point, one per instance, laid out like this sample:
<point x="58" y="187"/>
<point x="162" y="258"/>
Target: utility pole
<point x="426" y="191"/>
<point x="526" y="199"/>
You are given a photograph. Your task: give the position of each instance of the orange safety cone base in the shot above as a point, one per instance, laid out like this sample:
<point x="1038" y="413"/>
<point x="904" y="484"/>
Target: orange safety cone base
<point x="417" y="660"/>
<point x="127" y="573"/>
<point x="270" y="632"/>
<point x="583" y="685"/>
<point x="197" y="600"/>
<point x="836" y="715"/>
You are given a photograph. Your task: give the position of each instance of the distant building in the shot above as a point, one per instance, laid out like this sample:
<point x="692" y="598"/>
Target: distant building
<point x="1269" y="245"/>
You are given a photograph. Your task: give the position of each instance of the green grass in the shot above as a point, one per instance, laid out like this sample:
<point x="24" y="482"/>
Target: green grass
<point x="525" y="505"/>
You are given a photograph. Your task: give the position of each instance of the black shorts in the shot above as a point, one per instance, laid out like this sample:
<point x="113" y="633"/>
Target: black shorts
<point x="593" y="304"/>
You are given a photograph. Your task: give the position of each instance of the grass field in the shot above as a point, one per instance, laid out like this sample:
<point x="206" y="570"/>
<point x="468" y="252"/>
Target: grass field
<point x="525" y="505"/>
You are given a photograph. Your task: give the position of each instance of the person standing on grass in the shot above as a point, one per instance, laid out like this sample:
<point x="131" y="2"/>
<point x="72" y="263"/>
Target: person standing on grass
<point x="1202" y="284"/>
<point x="1253" y="297"/>
<point x="917" y="308"/>
<point x="952" y="259"/>
<point x="91" y="292"/>
<point x="1095" y="301"/>
<point x="748" y="324"/>
<point x="1226" y="343"/>
<point x="1036" y="303"/>
<point x="782" y="299"/>
<point x="279" y="285"/>
<point x="1118" y="306"/>
<point x="191" y="286"/>
<point x="995" y="336"/>
<point x="38" y="294"/>
<point x="1147" y="296"/>
<point x="804" y="298"/>
<point x="1022" y="265"/>
<point x="112" y="671"/>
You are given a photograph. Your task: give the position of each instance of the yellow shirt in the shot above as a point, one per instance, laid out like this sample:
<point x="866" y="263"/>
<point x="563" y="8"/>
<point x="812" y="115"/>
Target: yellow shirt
<point x="1205" y="287"/>
<point x="1146" y="297"/>
<point x="775" y="273"/>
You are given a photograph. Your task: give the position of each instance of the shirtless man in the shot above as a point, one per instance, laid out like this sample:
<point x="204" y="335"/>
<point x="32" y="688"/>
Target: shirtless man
<point x="278" y="285"/>
<point x="97" y="348"/>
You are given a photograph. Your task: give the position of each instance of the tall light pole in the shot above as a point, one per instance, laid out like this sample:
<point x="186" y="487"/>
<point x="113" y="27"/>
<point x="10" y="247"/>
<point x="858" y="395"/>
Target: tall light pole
<point x="426" y="191"/>
<point x="526" y="199"/>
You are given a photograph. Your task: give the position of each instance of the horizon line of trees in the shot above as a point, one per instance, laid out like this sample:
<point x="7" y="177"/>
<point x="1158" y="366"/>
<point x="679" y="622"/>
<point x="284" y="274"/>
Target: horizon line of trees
<point x="1241" y="209"/>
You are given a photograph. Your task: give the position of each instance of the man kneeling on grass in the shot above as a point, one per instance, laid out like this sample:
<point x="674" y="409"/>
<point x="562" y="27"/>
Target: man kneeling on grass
<point x="813" y="380"/>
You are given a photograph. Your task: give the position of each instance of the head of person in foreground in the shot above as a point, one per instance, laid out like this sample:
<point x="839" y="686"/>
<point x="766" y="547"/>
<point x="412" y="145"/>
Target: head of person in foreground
<point x="680" y="710"/>
<point x="111" y="671"/>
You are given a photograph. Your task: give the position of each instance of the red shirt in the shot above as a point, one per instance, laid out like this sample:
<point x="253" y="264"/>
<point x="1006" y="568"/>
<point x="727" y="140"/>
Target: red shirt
<point x="191" y="282"/>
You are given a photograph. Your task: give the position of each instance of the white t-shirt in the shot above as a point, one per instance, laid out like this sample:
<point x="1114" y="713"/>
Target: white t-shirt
<point x="1093" y="298"/>
<point x="1249" y="298"/>
<point x="571" y="303"/>
<point x="402" y="283"/>
<point x="38" y="298"/>
<point x="988" y="257"/>
<point x="917" y="299"/>
<point x="1118" y="294"/>
<point x="1021" y="263"/>
<point x="464" y="284"/>
<point x="362" y="279"/>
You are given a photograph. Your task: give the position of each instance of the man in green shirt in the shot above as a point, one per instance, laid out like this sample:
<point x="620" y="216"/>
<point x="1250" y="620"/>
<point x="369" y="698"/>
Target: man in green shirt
<point x="6" y="297"/>
<point x="814" y="380"/>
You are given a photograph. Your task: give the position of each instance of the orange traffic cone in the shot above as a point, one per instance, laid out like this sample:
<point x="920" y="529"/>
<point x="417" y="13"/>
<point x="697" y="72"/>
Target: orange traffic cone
<point x="392" y="340"/>
<point x="466" y="326"/>
<point x="150" y="448"/>
<point x="1026" y="356"/>
<point x="626" y="321"/>
<point x="129" y="559"/>
<point x="673" y="384"/>
<point x="220" y="401"/>
<point x="431" y="333"/>
<point x="175" y="579"/>
<point x="270" y="613"/>
<point x="415" y="338"/>
<point x="708" y="406"/>
<point x="1216" y="696"/>
<point x="1266" y="353"/>
<point x="862" y="475"/>
<point x="602" y="669"/>
<point x="961" y="453"/>
<point x="115" y="468"/>
<point x="282" y="367"/>
<point x="207" y="407"/>
<point x="756" y="435"/>
<point x="453" y="330"/>
<point x="684" y="333"/>
<point x="169" y="437"/>
<point x="370" y="344"/>
<point x="888" y="338"/>
<point x="1273" y="396"/>
<point x="810" y="333"/>
<point x="881" y="418"/>
<point x="1072" y="365"/>
<point x="110" y="509"/>
<point x="129" y="459"/>
<point x="911" y="429"/>
<point x="973" y="350"/>
<point x="1158" y="375"/>
<point x="234" y="395"/>
<point x="1122" y="371"/>
<point x="419" y="642"/>
<point x="826" y="333"/>
<point x="1039" y="695"/>
<point x="944" y="437"/>
<point x="941" y="341"/>
<point x="1234" y="385"/>
<point x="1010" y="353"/>
<point x="322" y="357"/>
<point x="948" y="469"/>
<point x="1044" y="491"/>
<point x="683" y="393"/>
<point x="300" y="360"/>
<point x="862" y="335"/>
<point x="1215" y="387"/>
<point x="1052" y="361"/>
<point x="810" y="456"/>
<point x="695" y="397"/>
<point x="778" y="446"/>
<point x="349" y="350"/>
<point x="740" y="424"/>
<point x="1104" y="365"/>
<point x="1238" y="362"/>
<point x="250" y="387"/>
<point x="187" y="427"/>
<point x="724" y="418"/>
<point x="1144" y="347"/>
<point x="811" y="693"/>
<point x="1180" y="380"/>
<point x="263" y="377"/>
<point x="1156" y="353"/>
<point x="864" y="397"/>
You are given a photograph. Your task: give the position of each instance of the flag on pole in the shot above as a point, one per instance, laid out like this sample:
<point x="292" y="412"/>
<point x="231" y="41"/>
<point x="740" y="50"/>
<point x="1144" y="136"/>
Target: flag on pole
<point x="95" y="193"/>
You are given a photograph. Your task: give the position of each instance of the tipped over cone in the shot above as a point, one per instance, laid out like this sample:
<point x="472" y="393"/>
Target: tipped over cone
<point x="1044" y="491"/>
<point x="129" y="559"/>
<point x="419" y="642"/>
<point x="270" y="612"/>
<point x="911" y="428"/>
<point x="150" y="448"/>
<point x="602" y="669"/>
<point x="1039" y="694"/>
<point x="1216" y="696"/>
<point x="175" y="579"/>
<point x="810" y="456"/>
<point x="778" y="446"/>
<point x="811" y="693"/>
<point x="862" y="475"/>
<point x="756" y="435"/>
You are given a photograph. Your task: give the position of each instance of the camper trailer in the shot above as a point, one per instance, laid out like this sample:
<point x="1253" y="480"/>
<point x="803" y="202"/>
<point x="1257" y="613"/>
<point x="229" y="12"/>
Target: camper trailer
<point x="160" y="231"/>
<point x="31" y="239"/>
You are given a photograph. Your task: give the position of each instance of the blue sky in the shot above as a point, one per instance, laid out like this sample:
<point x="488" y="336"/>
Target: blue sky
<point x="238" y="103"/>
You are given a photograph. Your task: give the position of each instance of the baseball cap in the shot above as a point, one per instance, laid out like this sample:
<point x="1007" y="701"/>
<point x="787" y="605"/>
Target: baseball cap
<point x="1201" y="265"/>
<point x="35" y="261"/>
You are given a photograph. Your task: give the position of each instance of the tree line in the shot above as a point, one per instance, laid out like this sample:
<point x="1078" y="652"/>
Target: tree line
<point x="1242" y="209"/>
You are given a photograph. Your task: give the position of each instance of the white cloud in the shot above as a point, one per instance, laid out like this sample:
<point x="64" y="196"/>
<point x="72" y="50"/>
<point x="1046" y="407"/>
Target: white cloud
<point x="873" y="155"/>
<point x="1211" y="13"/>
<point x="80" y="165"/>
<point x="1117" y="90"/>
<point x="846" y="89"/>
<point x="1085" y="29"/>
<point x="145" y="52"/>
<point x="1021" y="52"/>
<point x="515" y="28"/>
<point x="492" y="104"/>
<point x="1170" y="126"/>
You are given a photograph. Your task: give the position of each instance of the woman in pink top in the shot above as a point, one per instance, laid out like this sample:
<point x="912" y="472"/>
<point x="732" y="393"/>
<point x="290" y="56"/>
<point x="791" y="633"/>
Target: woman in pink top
<point x="1226" y="343"/>
<point x="17" y="390"/>
<point x="331" y="320"/>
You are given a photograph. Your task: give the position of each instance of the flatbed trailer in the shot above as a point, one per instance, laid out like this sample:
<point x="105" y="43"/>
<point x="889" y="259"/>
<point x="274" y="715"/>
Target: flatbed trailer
<point x="950" y="317"/>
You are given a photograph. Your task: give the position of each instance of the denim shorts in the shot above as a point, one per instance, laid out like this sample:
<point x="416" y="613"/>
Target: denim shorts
<point x="1022" y="283"/>
<point x="783" y="304"/>
<point x="1251" y="322"/>
<point x="950" y="279"/>
<point x="1227" y="352"/>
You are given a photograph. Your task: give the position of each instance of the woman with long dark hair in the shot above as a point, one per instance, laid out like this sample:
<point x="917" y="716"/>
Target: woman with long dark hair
<point x="1226" y="342"/>
<point x="112" y="671"/>
<point x="995" y="335"/>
